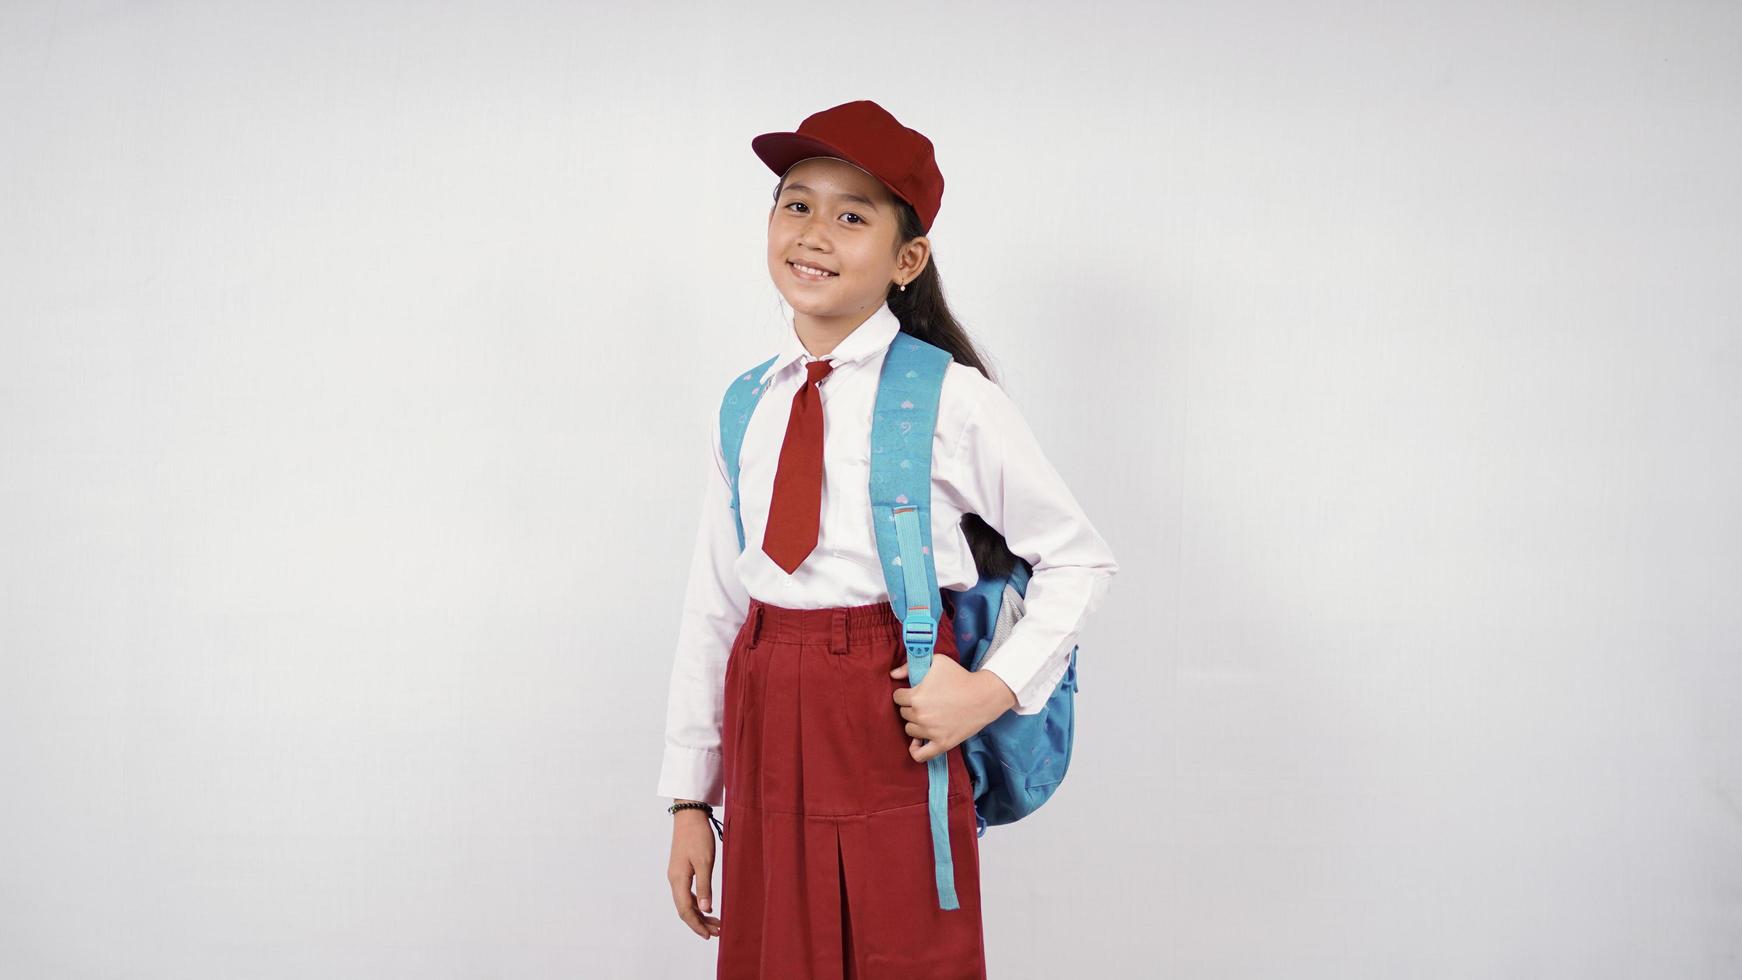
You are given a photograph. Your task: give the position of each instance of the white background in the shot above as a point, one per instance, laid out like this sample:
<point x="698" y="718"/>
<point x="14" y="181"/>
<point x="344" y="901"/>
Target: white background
<point x="355" y="362"/>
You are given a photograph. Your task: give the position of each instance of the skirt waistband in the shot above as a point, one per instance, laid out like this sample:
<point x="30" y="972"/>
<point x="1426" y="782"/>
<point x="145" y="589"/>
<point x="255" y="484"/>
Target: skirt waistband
<point x="874" y="621"/>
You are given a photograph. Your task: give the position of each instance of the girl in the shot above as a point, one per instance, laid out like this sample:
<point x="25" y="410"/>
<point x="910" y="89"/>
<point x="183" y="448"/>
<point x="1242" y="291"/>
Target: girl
<point x="788" y="693"/>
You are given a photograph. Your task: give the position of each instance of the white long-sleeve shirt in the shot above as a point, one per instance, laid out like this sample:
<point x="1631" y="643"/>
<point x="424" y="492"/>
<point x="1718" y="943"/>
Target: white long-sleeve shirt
<point x="985" y="461"/>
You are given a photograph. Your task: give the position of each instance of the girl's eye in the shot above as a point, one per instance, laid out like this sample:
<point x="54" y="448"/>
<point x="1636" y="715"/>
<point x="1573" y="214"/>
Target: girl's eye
<point x="800" y="204"/>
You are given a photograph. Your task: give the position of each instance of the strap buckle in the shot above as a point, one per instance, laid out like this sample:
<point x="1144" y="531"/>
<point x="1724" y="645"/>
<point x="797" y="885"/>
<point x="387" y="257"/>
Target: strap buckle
<point x="920" y="632"/>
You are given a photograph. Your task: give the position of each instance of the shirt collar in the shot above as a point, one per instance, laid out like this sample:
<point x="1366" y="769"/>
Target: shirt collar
<point x="866" y="339"/>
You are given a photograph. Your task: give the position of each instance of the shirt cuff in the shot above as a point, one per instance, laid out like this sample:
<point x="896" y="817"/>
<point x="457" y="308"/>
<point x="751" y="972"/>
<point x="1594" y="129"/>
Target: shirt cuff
<point x="1032" y="672"/>
<point x="692" y="774"/>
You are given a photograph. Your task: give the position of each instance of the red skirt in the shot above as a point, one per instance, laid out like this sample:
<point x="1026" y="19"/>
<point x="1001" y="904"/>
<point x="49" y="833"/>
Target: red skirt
<point x="826" y="864"/>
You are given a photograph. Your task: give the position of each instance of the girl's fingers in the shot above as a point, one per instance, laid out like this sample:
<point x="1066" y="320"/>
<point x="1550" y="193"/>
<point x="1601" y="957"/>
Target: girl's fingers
<point x="705" y="926"/>
<point x="705" y="888"/>
<point x="686" y="905"/>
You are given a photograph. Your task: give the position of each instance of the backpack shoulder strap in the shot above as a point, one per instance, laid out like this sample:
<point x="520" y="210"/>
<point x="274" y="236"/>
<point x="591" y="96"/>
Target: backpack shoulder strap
<point x="902" y="423"/>
<point x="741" y="399"/>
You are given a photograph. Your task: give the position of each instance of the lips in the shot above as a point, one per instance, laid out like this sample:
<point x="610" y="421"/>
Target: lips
<point x="804" y="276"/>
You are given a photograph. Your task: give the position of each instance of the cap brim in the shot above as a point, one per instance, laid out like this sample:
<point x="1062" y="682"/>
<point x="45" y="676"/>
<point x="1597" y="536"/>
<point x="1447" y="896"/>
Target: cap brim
<point x="781" y="150"/>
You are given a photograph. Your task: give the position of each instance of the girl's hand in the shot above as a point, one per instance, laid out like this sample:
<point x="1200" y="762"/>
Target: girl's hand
<point x="949" y="705"/>
<point x="692" y="856"/>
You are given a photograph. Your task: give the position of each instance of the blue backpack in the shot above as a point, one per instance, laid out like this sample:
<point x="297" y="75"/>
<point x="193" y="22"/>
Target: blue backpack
<point x="1016" y="762"/>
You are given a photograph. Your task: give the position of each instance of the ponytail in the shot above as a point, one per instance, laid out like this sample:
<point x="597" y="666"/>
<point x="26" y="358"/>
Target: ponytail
<point x="925" y="314"/>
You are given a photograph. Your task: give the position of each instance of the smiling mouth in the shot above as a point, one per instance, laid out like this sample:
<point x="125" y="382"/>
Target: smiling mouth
<point x="806" y="275"/>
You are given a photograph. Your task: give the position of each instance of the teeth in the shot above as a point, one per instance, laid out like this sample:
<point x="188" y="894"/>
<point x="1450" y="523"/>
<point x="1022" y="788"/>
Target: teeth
<point x="811" y="270"/>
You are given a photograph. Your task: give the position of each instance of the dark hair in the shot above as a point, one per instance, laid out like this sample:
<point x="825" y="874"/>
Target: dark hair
<point x="923" y="312"/>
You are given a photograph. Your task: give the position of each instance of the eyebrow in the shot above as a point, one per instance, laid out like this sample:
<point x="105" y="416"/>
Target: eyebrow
<point x="848" y="195"/>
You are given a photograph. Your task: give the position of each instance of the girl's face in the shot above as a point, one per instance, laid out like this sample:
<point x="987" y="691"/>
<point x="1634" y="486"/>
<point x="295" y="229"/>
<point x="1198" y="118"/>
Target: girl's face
<point x="835" y="217"/>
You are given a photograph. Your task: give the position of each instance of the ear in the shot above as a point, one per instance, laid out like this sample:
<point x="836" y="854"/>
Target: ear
<point x="913" y="258"/>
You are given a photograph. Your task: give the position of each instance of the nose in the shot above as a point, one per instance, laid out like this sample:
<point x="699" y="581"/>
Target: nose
<point x="814" y="231"/>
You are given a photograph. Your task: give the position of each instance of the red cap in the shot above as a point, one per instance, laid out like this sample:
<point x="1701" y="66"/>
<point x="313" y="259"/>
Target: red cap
<point x="865" y="135"/>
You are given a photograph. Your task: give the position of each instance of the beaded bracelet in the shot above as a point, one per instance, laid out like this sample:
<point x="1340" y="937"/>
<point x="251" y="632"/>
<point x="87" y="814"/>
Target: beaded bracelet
<point x="719" y="828"/>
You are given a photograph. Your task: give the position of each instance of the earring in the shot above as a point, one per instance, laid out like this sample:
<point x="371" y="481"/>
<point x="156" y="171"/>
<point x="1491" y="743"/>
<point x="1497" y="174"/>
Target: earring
<point x="904" y="287"/>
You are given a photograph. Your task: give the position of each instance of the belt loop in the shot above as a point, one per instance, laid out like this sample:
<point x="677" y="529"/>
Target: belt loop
<point x="755" y="624"/>
<point x="838" y="631"/>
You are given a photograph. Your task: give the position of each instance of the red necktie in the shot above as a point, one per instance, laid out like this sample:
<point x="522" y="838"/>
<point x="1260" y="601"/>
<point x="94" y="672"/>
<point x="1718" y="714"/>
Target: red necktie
<point x="795" y="507"/>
